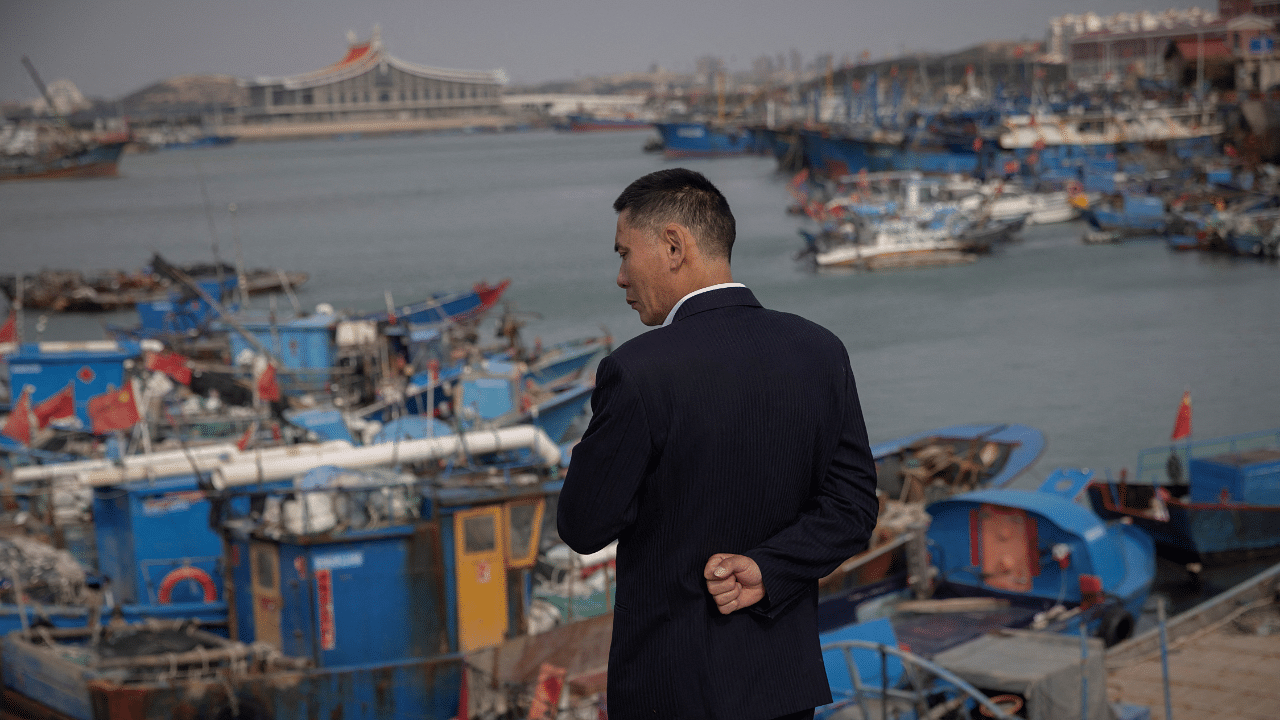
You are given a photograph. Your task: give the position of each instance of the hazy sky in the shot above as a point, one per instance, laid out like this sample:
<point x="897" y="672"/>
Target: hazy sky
<point x="112" y="47"/>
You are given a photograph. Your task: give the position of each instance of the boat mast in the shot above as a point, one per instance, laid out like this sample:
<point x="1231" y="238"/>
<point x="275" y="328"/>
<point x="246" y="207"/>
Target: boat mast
<point x="44" y="89"/>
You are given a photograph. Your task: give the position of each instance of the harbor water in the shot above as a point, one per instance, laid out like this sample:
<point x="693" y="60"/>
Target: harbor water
<point x="1094" y="345"/>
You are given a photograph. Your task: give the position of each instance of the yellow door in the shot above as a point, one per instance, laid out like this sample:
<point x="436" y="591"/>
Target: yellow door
<point x="264" y="568"/>
<point x="481" y="577"/>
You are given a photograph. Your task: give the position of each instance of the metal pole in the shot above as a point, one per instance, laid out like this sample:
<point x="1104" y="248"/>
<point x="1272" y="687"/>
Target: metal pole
<point x="1084" y="671"/>
<point x="1164" y="659"/>
<point x="1200" y="67"/>
<point x="241" y="279"/>
<point x="17" y="310"/>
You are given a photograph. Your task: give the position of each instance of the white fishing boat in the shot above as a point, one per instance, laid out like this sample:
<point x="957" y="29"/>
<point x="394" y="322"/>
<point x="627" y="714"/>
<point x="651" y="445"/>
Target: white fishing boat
<point x="1021" y="132"/>
<point x="898" y="243"/>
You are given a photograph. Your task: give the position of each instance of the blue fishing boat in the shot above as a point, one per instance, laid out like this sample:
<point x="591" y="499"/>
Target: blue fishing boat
<point x="699" y="139"/>
<point x="1049" y="561"/>
<point x="1132" y="216"/>
<point x="441" y="307"/>
<point x="444" y="636"/>
<point x="1210" y="501"/>
<point x="911" y="471"/>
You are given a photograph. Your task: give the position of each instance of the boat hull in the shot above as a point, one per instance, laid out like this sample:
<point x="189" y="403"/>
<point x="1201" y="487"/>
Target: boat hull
<point x="99" y="161"/>
<point x="1207" y="533"/>
<point x="584" y="123"/>
<point x="685" y="140"/>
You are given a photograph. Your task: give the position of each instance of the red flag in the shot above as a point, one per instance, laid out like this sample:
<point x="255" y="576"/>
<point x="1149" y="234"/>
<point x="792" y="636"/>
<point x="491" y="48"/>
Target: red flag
<point x="268" y="388"/>
<point x="1182" y="426"/>
<point x="9" y="331"/>
<point x="113" y="410"/>
<point x="243" y="442"/>
<point x="18" y="426"/>
<point x="61" y="404"/>
<point x="172" y="364"/>
<point x="547" y="695"/>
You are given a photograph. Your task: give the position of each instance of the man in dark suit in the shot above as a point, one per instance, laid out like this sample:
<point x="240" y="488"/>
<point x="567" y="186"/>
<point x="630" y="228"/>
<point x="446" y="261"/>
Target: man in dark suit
<point x="728" y="456"/>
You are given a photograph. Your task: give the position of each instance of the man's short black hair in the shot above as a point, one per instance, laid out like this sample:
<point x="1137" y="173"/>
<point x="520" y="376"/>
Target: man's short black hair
<point x="685" y="197"/>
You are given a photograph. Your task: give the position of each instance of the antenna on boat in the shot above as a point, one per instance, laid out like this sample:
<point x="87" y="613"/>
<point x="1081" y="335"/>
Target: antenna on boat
<point x="241" y="281"/>
<point x="213" y="231"/>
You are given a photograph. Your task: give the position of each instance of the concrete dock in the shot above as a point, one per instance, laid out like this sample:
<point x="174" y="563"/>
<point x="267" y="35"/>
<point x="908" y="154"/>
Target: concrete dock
<point x="1224" y="658"/>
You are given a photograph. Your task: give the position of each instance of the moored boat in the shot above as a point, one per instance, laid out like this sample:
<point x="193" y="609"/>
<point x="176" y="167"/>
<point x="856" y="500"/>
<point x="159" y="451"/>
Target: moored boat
<point x="1048" y="560"/>
<point x="98" y="158"/>
<point x="592" y="123"/>
<point x="699" y="139"/>
<point x="1210" y="501"/>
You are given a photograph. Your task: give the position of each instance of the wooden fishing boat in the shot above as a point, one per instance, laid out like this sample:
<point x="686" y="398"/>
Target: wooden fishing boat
<point x="1211" y="501"/>
<point x="94" y="159"/>
<point x="593" y="123"/>
<point x="912" y="471"/>
<point x="108" y="290"/>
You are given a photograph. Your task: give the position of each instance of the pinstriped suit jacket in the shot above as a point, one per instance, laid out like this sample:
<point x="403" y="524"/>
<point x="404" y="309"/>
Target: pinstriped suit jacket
<point x="734" y="429"/>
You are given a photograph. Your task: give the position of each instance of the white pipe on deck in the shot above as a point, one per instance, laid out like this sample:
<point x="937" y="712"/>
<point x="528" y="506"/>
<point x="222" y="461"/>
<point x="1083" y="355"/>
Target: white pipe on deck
<point x="156" y="459"/>
<point x="178" y="464"/>
<point x="250" y="470"/>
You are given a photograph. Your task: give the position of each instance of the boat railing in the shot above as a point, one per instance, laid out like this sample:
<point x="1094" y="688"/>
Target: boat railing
<point x="1154" y="463"/>
<point x="922" y="682"/>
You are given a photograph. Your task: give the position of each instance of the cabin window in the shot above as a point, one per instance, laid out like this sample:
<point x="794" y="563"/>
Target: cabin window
<point x="264" y="568"/>
<point x="524" y="528"/>
<point x="478" y="534"/>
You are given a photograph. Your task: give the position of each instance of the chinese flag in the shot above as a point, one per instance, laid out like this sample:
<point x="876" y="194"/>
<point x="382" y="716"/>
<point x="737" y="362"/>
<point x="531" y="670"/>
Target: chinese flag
<point x="61" y="404"/>
<point x="1182" y="426"/>
<point x="9" y="331"/>
<point x="113" y="410"/>
<point x="268" y="388"/>
<point x="244" y="440"/>
<point x="172" y="364"/>
<point x="18" y="426"/>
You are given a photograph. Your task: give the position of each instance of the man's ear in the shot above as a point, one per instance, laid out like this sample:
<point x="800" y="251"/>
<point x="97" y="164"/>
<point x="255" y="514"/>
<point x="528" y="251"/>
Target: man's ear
<point x="676" y="244"/>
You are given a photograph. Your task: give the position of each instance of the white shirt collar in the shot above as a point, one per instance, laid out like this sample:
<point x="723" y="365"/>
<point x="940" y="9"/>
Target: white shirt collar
<point x="671" y="315"/>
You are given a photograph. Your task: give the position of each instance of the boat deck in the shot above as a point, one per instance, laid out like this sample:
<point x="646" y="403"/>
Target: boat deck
<point x="1222" y="665"/>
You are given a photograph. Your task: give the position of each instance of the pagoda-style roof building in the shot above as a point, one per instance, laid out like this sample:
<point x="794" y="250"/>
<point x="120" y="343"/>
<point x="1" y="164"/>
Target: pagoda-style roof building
<point x="370" y="84"/>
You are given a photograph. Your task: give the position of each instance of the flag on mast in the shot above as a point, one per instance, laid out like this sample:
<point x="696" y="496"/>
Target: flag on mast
<point x="115" y="409"/>
<point x="1182" y="425"/>
<point x="9" y="331"/>
<point x="61" y="404"/>
<point x="18" y="426"/>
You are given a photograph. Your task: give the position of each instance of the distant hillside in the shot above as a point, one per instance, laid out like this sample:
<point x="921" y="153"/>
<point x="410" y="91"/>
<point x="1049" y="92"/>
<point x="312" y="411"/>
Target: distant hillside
<point x="186" y="93"/>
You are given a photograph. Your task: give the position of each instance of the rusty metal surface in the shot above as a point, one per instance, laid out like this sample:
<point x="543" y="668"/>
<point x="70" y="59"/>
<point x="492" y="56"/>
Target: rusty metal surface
<point x="580" y="648"/>
<point x="418" y="688"/>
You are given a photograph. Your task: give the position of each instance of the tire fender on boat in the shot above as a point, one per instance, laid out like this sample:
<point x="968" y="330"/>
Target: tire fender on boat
<point x="187" y="572"/>
<point x="1116" y="625"/>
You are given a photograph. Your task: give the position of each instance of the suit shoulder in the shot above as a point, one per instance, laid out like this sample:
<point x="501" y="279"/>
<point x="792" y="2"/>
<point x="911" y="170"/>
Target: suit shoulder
<point x="797" y="327"/>
<point x="645" y="344"/>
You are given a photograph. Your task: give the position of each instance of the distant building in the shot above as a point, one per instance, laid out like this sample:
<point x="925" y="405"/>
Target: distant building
<point x="1232" y="49"/>
<point x="368" y="84"/>
<point x="1105" y="49"/>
